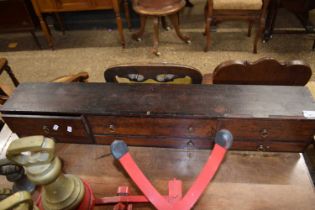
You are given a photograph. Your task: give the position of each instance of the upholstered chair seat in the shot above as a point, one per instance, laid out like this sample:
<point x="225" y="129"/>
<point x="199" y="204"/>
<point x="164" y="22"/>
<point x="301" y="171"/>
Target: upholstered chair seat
<point x="252" y="11"/>
<point x="237" y="4"/>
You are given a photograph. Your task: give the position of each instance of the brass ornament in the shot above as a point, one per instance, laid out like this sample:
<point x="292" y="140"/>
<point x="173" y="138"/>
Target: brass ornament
<point x="37" y="155"/>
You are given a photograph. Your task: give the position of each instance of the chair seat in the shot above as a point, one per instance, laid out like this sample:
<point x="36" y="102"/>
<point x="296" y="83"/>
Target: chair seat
<point x="237" y="4"/>
<point x="158" y="8"/>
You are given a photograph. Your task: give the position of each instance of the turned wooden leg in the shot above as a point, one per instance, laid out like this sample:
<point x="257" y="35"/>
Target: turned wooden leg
<point x="175" y="22"/>
<point x="43" y="24"/>
<point x="164" y="24"/>
<point x="46" y="31"/>
<point x="60" y="23"/>
<point x="138" y="35"/>
<point x="273" y="12"/>
<point x="156" y="35"/>
<point x="119" y="23"/>
<point x="127" y="14"/>
<point x="313" y="45"/>
<point x="205" y="13"/>
<point x="207" y="33"/>
<point x="250" y="25"/>
<point x="36" y="40"/>
<point x="260" y="30"/>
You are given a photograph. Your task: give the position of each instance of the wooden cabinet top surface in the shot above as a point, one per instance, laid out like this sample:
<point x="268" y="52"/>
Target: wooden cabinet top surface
<point x="200" y="101"/>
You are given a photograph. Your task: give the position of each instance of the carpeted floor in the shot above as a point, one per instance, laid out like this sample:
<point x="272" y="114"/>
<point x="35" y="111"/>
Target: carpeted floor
<point x="95" y="50"/>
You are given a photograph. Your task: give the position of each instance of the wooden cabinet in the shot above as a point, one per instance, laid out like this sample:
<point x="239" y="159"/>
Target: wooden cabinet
<point x="15" y="17"/>
<point x="55" y="6"/>
<point x="181" y="116"/>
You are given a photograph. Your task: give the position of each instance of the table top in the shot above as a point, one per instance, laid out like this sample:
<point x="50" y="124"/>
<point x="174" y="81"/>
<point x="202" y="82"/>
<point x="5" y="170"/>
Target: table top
<point x="160" y="100"/>
<point x="245" y="181"/>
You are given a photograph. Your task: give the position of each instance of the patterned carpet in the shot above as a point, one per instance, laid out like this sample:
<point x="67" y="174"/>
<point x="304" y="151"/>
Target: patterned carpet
<point x="96" y="49"/>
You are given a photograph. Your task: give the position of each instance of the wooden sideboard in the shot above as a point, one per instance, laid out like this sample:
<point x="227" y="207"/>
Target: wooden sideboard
<point x="300" y="8"/>
<point x="15" y="17"/>
<point x="265" y="118"/>
<point x="55" y="6"/>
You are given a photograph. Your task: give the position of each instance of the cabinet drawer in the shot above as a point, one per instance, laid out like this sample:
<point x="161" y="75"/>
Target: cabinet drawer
<point x="105" y="4"/>
<point x="152" y="141"/>
<point x="50" y="126"/>
<point x="270" y="130"/>
<point x="181" y="128"/>
<point x="269" y="146"/>
<point x="73" y="4"/>
<point x="45" y="5"/>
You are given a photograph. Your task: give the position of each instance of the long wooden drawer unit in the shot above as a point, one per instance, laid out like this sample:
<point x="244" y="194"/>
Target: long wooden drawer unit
<point x="265" y="118"/>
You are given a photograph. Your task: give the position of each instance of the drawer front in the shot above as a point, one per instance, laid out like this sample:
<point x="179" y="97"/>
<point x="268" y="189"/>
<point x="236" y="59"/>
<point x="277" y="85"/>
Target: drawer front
<point x="151" y="141"/>
<point x="73" y="4"/>
<point x="270" y="130"/>
<point x="60" y="128"/>
<point x="180" y="128"/>
<point x="269" y="146"/>
<point x="106" y="4"/>
<point x="45" y="5"/>
<point x="202" y="143"/>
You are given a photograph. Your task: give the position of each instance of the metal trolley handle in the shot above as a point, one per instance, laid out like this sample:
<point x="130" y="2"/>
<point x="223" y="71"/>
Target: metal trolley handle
<point x="223" y="141"/>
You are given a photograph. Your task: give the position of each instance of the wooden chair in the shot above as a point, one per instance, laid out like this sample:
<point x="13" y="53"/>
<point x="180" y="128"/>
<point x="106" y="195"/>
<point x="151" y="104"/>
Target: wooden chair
<point x="6" y="90"/>
<point x="252" y="11"/>
<point x="153" y="73"/>
<point x="265" y="71"/>
<point x="157" y="9"/>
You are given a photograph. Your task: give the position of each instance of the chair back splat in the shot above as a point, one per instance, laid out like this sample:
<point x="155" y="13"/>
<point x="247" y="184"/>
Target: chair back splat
<point x="153" y="73"/>
<point x="265" y="71"/>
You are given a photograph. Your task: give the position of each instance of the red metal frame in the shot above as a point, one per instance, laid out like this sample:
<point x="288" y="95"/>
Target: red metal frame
<point x="174" y="200"/>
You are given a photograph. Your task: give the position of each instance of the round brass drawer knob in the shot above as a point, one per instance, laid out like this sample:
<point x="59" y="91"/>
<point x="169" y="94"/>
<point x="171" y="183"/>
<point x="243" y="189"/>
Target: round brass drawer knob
<point x="264" y="133"/>
<point x="111" y="128"/>
<point x="46" y="129"/>
<point x="263" y="148"/>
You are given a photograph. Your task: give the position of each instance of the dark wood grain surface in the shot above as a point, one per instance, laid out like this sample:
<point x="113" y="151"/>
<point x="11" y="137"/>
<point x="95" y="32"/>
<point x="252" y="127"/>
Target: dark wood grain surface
<point x="245" y="181"/>
<point x="264" y="118"/>
<point x="161" y="100"/>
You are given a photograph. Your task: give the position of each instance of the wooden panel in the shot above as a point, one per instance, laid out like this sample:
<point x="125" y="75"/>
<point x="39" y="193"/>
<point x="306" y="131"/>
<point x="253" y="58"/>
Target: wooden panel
<point x="45" y="5"/>
<point x="194" y="101"/>
<point x="60" y="128"/>
<point x="73" y="4"/>
<point x="265" y="71"/>
<point x="270" y="130"/>
<point x="104" y="3"/>
<point x="171" y="127"/>
<point x="14" y="16"/>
